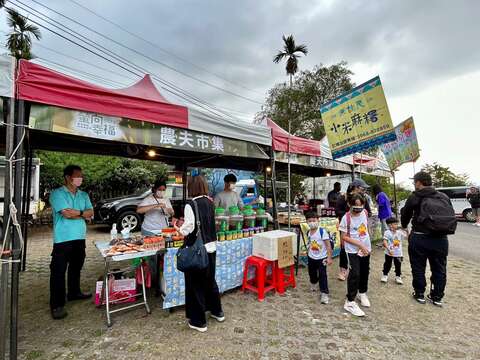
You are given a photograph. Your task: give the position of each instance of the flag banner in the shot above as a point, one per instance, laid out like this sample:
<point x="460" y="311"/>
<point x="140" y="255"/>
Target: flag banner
<point x="405" y="149"/>
<point x="358" y="120"/>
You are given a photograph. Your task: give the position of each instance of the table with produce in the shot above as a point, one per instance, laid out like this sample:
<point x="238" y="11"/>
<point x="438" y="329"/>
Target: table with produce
<point x="234" y="246"/>
<point x="136" y="248"/>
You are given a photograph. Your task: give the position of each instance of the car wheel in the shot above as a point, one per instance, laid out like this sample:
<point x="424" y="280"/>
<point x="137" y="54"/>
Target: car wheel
<point x="468" y="215"/>
<point x="129" y="219"/>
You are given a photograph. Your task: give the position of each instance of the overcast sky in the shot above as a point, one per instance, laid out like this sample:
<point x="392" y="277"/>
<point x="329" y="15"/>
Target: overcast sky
<point x="426" y="53"/>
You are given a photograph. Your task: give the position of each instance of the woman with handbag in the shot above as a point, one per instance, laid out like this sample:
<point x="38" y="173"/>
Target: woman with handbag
<point x="197" y="258"/>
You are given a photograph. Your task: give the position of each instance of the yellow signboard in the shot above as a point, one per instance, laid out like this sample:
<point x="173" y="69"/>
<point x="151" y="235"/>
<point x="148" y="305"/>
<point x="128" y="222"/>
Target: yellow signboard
<point x="358" y="120"/>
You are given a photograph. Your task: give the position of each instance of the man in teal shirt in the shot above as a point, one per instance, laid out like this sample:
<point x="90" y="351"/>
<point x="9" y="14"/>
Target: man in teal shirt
<point x="70" y="208"/>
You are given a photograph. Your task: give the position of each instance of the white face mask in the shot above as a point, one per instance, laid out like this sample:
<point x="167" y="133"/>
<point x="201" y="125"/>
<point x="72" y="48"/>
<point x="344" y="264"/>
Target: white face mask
<point x="160" y="193"/>
<point x="313" y="225"/>
<point x="232" y="187"/>
<point x="77" y="181"/>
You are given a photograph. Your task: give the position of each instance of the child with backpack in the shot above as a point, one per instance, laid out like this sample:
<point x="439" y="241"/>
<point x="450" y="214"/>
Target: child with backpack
<point x="319" y="256"/>
<point x="354" y="233"/>
<point x="392" y="243"/>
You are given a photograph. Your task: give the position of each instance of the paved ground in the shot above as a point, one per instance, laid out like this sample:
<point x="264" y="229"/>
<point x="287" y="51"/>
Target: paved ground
<point x="294" y="326"/>
<point x="466" y="242"/>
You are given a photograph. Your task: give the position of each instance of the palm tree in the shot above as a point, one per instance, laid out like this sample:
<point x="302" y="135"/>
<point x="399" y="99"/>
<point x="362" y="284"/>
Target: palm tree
<point x="291" y="52"/>
<point x="19" y="42"/>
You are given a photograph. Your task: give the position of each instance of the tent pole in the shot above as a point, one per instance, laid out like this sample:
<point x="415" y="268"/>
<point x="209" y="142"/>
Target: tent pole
<point x="273" y="179"/>
<point x="289" y="195"/>
<point x="265" y="191"/>
<point x="395" y="193"/>
<point x="8" y="117"/>
<point x="27" y="194"/>
<point x="314" y="189"/>
<point x="16" y="243"/>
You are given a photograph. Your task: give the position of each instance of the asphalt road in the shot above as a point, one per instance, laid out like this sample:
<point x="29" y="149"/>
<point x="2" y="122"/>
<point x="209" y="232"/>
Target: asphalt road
<point x="466" y="242"/>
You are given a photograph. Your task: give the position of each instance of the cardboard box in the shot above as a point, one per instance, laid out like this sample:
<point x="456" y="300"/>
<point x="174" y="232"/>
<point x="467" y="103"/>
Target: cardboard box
<point x="266" y="245"/>
<point x="121" y="289"/>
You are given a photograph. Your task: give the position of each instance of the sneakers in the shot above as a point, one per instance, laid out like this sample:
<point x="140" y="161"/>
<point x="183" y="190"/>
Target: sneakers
<point x="363" y="299"/>
<point x="59" y="313"/>
<point x="419" y="298"/>
<point x="436" y="302"/>
<point x="313" y="287"/>
<point x="201" y="329"/>
<point x="324" y="299"/>
<point x="384" y="279"/>
<point x="399" y="280"/>
<point x="220" y="317"/>
<point x="353" y="308"/>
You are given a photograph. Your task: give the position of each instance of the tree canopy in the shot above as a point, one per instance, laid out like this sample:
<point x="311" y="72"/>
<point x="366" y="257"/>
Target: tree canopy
<point x="301" y="102"/>
<point x="442" y="176"/>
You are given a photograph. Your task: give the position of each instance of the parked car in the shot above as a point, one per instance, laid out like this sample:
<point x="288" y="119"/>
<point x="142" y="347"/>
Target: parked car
<point x="458" y="197"/>
<point x="123" y="210"/>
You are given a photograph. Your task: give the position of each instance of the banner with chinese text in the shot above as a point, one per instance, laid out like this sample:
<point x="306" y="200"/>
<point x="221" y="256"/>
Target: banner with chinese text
<point x="405" y="149"/>
<point x="98" y="126"/>
<point x="358" y="120"/>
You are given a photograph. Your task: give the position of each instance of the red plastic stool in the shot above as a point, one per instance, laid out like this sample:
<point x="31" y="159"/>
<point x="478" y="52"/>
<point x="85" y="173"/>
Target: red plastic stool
<point x="261" y="283"/>
<point x="284" y="280"/>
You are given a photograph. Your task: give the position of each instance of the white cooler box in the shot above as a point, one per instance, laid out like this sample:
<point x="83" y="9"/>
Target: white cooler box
<point x="265" y="245"/>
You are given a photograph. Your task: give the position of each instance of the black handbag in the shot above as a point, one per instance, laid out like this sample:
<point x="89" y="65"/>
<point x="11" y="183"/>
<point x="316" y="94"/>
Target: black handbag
<point x="195" y="257"/>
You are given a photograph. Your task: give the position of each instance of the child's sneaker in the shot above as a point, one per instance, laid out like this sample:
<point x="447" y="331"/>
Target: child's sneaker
<point x="313" y="287"/>
<point x="399" y="280"/>
<point x="363" y="299"/>
<point x="324" y="299"/>
<point x="384" y="279"/>
<point x="353" y="308"/>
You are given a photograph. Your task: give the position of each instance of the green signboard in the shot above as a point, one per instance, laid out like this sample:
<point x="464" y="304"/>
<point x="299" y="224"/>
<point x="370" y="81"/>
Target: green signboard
<point x="98" y="126"/>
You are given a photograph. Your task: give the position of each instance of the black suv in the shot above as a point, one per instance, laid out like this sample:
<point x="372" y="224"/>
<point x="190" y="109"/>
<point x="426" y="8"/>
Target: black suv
<point x="123" y="210"/>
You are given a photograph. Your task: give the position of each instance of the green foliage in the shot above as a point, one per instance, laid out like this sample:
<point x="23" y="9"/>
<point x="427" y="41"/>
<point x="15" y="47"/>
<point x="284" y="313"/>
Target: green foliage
<point x="442" y="176"/>
<point x="19" y="41"/>
<point x="301" y="102"/>
<point x="291" y="51"/>
<point x="103" y="175"/>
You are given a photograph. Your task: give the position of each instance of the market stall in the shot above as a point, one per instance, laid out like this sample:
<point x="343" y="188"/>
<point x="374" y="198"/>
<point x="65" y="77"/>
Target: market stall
<point x="62" y="113"/>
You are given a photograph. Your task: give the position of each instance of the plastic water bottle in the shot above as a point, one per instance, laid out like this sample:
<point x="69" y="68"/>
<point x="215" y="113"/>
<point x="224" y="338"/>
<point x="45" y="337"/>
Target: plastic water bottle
<point x="113" y="232"/>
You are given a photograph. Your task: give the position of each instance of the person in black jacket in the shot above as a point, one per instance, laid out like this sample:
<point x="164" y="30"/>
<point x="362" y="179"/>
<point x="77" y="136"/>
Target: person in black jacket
<point x="201" y="289"/>
<point x="474" y="199"/>
<point x="423" y="245"/>
<point x="358" y="186"/>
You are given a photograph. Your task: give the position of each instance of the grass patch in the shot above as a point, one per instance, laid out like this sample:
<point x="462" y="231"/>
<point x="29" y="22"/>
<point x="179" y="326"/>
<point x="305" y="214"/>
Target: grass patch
<point x="34" y="354"/>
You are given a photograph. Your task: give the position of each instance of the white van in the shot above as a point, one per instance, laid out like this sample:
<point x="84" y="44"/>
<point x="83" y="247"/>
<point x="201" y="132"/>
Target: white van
<point x="458" y="197"/>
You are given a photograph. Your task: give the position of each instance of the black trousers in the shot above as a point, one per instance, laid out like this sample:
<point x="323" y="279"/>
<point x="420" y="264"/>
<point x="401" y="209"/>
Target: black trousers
<point x="202" y="294"/>
<point x="387" y="265"/>
<point x="423" y="247"/>
<point x="318" y="273"/>
<point x="343" y="263"/>
<point x="71" y="255"/>
<point x="358" y="275"/>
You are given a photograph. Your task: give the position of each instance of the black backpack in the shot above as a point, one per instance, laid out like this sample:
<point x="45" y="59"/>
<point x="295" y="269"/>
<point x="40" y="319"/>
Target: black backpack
<point x="437" y="214"/>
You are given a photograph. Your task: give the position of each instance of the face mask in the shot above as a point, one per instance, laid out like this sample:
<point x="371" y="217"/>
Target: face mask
<point x="232" y="187"/>
<point x="313" y="225"/>
<point x="357" y="209"/>
<point x="160" y="193"/>
<point x="77" y="181"/>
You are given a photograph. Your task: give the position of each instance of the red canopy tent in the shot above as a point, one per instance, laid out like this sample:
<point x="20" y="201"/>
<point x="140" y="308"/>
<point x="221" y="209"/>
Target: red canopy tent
<point x="298" y="145"/>
<point x="141" y="101"/>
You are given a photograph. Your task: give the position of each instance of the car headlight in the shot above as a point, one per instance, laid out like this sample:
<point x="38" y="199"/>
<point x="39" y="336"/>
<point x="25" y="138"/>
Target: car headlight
<point x="109" y="205"/>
